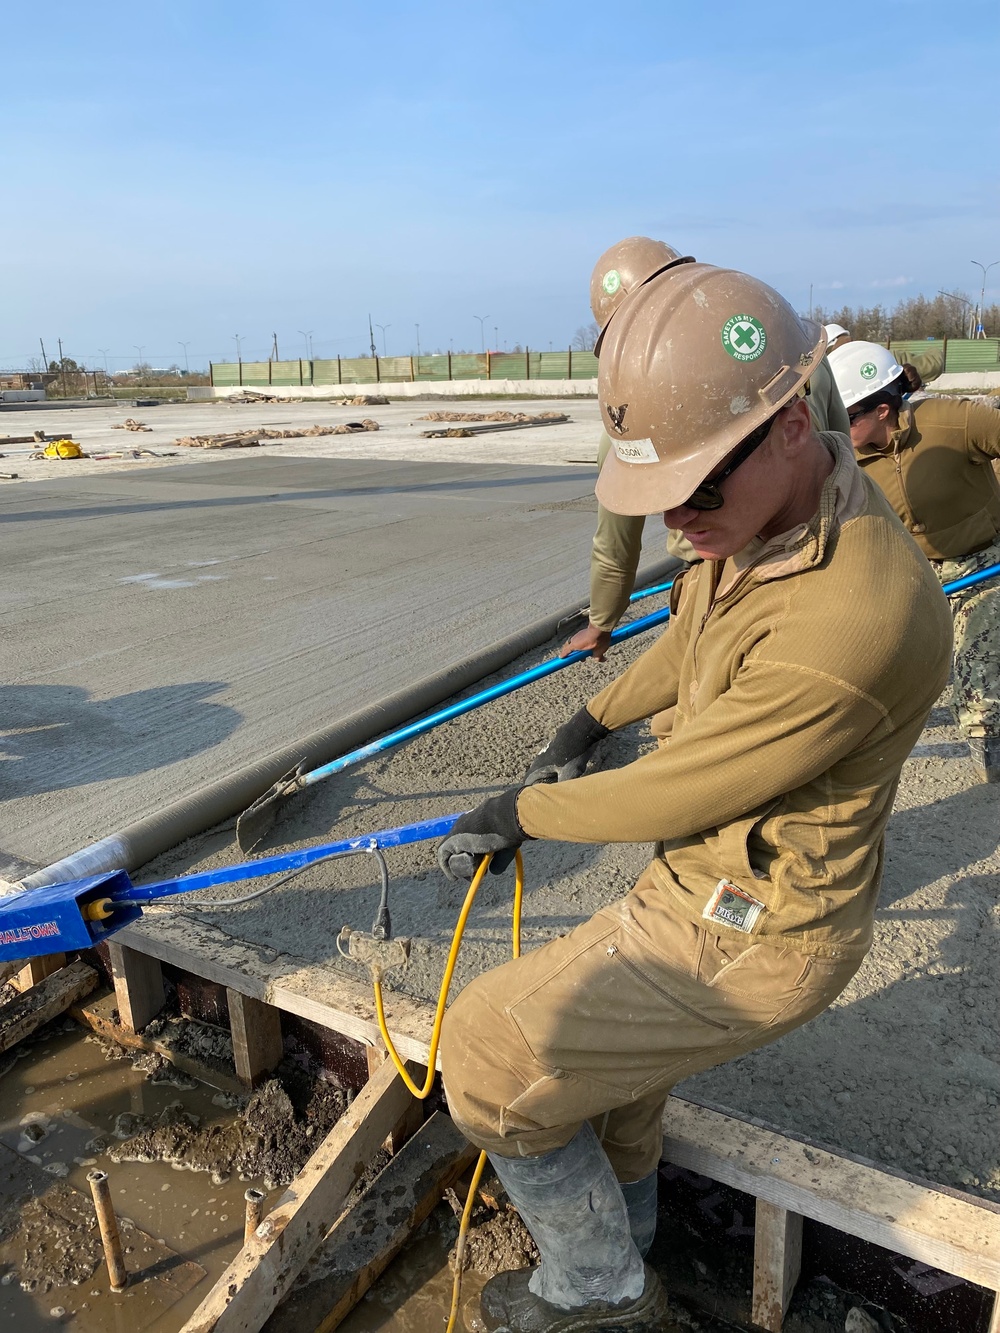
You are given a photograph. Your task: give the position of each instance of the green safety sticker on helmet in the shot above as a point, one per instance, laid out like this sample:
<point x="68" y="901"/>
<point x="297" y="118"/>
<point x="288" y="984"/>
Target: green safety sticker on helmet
<point x="612" y="281"/>
<point x="744" y="337"/>
<point x="869" y="370"/>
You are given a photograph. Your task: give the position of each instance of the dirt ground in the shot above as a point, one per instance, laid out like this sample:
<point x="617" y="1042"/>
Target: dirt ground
<point x="904" y="1068"/>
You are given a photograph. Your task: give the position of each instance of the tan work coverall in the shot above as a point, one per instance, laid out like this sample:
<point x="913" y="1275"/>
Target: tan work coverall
<point x="617" y="546"/>
<point x="936" y="473"/>
<point x="802" y="672"/>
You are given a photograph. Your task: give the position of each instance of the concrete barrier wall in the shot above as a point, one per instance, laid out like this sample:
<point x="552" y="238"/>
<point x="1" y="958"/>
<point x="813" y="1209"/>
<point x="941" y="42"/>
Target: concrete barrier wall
<point x="417" y="389"/>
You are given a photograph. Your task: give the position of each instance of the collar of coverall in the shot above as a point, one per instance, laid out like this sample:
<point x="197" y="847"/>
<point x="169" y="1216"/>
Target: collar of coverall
<point x="841" y="499"/>
<point x="897" y="437"/>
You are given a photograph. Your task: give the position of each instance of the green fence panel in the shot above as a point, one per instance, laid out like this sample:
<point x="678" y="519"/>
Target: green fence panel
<point x="431" y="367"/>
<point x="551" y="366"/>
<point x="394" y="369"/>
<point x="287" y="372"/>
<point x="584" y="366"/>
<point x="908" y="347"/>
<point x="468" y="366"/>
<point x="965" y="354"/>
<point x="358" y="370"/>
<point x="255" y="373"/>
<point x="224" y="373"/>
<point x="324" y="373"/>
<point x="508" y="366"/>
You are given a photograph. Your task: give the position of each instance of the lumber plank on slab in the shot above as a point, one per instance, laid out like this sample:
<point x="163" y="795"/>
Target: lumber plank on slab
<point x="138" y="986"/>
<point x="366" y="1239"/>
<point x="49" y="998"/>
<point x="269" y="1263"/>
<point x="777" y="1262"/>
<point x="34" y="970"/>
<point x="955" y="1232"/>
<point x="257" y="1044"/>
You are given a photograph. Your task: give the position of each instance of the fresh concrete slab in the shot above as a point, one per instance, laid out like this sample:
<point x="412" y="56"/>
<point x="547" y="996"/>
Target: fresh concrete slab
<point x="165" y="626"/>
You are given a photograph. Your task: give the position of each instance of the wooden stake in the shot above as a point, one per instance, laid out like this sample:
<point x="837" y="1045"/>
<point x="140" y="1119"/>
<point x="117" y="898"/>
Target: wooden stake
<point x="138" y="986"/>
<point x="257" y="1045"/>
<point x="53" y="996"/>
<point x="269" y="1263"/>
<point x="777" y="1262"/>
<point x="37" y="969"/>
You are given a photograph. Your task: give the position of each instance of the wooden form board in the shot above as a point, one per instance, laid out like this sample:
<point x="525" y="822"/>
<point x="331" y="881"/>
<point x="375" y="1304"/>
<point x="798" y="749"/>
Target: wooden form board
<point x="944" y="1228"/>
<point x="269" y="1263"/>
<point x="365" y="1240"/>
<point x="44" y="1001"/>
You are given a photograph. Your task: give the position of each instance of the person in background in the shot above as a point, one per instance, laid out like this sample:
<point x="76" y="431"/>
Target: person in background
<point x="932" y="459"/>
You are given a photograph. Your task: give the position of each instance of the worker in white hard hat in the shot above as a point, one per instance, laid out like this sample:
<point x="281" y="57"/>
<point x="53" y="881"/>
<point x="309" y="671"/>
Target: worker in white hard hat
<point x="932" y="458"/>
<point x="803" y="657"/>
<point x="836" y="336"/>
<point x="617" y="544"/>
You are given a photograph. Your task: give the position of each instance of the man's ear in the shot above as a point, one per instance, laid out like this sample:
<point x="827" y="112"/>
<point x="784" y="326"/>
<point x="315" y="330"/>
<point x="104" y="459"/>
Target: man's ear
<point x="796" y="423"/>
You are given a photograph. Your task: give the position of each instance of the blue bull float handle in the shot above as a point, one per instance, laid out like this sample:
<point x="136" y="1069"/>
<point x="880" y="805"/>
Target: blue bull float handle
<point x="968" y="580"/>
<point x="421" y="831"/>
<point x="620" y="635"/>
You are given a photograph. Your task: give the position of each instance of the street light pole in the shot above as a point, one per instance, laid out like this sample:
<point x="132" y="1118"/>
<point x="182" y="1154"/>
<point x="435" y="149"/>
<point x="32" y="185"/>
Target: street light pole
<point x="383" y="327"/>
<point x="239" y="354"/>
<point x="307" y="337"/>
<point x="185" y="346"/>
<point x="417" y="327"/>
<point x="980" y="331"/>
<point x="482" y="330"/>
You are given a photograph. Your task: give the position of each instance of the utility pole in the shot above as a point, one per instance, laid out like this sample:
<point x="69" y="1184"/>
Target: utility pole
<point x="418" y="338"/>
<point x="810" y="300"/>
<point x="62" y="366"/>
<point x="239" y="357"/>
<point x="187" y="369"/>
<point x="274" y="347"/>
<point x="107" y="373"/>
<point x="980" y="330"/>
<point x="45" y="360"/>
<point x="371" y="338"/>
<point x="482" y="330"/>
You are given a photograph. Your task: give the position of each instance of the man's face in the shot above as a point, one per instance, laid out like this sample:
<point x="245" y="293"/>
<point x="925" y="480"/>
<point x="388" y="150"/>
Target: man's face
<point x="756" y="497"/>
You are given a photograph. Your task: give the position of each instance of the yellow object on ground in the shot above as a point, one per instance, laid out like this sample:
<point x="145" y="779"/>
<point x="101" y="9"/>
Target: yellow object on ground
<point x="63" y="449"/>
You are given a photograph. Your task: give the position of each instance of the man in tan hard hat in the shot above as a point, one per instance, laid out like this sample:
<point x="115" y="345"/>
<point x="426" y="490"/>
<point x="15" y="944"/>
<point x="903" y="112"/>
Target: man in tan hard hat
<point x="803" y="658"/>
<point x="932" y="458"/>
<point x="617" y="545"/>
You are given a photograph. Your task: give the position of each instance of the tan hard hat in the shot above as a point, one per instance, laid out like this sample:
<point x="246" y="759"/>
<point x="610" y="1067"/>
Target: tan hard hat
<point x="623" y="268"/>
<point x="693" y="362"/>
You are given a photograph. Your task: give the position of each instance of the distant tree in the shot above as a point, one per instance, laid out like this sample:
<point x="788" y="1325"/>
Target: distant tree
<point x="585" y="338"/>
<point x="940" y="316"/>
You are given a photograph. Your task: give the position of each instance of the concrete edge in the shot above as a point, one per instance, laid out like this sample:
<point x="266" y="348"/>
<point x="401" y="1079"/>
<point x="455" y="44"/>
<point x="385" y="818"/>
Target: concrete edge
<point x="137" y="843"/>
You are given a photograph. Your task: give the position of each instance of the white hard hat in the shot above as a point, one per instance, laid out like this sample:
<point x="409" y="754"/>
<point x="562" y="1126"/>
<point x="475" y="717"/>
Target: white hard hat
<point x="862" y="369"/>
<point x="835" y="331"/>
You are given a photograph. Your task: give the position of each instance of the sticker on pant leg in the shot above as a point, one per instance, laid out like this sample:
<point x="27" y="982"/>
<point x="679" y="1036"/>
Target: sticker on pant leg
<point x="732" y="906"/>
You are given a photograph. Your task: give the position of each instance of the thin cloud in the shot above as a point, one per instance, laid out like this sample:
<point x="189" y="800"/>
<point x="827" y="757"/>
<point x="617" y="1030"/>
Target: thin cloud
<point x="891" y="282"/>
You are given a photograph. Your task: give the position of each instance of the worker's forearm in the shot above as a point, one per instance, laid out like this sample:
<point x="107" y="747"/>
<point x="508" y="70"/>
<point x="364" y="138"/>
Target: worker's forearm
<point x="614" y="559"/>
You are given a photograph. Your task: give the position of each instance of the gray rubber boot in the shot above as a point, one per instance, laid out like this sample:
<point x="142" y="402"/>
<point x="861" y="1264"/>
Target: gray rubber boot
<point x="574" y="1208"/>
<point x="640" y="1200"/>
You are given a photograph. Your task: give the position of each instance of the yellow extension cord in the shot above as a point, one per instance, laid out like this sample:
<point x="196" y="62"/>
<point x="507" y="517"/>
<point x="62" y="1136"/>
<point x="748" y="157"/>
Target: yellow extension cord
<point x="422" y="1093"/>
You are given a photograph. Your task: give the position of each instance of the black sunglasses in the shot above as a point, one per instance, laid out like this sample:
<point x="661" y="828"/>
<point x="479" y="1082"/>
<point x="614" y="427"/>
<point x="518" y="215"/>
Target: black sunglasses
<point x="708" y="495"/>
<point x="860" y="412"/>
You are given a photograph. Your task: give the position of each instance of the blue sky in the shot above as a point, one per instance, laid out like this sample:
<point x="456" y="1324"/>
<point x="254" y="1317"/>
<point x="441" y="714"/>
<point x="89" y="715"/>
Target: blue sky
<point x="194" y="171"/>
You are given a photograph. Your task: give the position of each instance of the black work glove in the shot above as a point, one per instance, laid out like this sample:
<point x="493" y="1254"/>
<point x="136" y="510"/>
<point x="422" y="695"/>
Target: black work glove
<point x="491" y="827"/>
<point x="568" y="751"/>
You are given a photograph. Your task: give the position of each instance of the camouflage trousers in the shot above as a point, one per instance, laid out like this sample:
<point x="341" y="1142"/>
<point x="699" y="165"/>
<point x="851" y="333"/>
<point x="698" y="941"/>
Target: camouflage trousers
<point x="976" y="670"/>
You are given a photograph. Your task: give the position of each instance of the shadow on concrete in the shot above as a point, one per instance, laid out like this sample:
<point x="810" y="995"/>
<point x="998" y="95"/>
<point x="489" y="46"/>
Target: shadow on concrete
<point x="54" y="737"/>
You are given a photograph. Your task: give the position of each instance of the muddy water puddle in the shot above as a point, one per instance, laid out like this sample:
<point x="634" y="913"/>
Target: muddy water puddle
<point x="60" y="1107"/>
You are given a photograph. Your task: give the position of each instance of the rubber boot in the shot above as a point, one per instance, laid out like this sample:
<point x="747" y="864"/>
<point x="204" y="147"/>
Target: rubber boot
<point x="591" y="1273"/>
<point x="985" y="752"/>
<point x="640" y="1200"/>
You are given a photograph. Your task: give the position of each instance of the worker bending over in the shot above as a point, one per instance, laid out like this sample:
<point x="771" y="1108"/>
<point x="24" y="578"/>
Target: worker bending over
<point x="617" y="545"/>
<point x="803" y="658"/>
<point x="932" y="458"/>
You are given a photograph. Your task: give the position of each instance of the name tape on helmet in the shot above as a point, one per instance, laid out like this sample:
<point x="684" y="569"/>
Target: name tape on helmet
<point x="636" y="451"/>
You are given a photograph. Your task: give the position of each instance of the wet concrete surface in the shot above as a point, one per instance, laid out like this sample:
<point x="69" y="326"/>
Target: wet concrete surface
<point x="167" y="625"/>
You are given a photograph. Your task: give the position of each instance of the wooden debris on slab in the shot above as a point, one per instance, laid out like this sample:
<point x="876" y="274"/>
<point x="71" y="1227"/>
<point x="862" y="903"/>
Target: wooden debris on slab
<point x="130" y="423"/>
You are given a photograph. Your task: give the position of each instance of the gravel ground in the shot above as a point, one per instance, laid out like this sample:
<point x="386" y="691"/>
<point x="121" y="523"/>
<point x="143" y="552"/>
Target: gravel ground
<point x="904" y="1068"/>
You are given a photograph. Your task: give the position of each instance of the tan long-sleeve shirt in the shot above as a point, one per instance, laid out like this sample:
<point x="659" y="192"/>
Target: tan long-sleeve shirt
<point x="935" y="472"/>
<point x="800" y="688"/>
